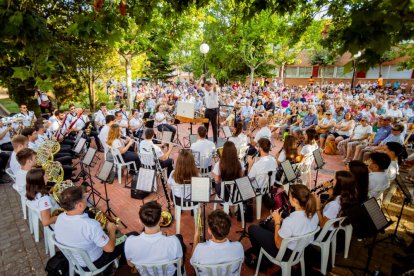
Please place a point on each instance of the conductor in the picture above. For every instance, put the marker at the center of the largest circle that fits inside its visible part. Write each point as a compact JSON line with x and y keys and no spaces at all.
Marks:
{"x":211,"y":100}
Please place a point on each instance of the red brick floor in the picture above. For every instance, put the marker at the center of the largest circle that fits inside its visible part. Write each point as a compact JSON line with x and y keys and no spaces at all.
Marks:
{"x":127,"y":208}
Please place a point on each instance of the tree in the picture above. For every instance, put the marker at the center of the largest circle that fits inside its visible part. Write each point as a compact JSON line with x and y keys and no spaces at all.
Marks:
{"x":322,"y":58}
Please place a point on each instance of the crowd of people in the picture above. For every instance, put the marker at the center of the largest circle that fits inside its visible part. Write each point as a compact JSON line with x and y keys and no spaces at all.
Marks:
{"x":370,"y":125}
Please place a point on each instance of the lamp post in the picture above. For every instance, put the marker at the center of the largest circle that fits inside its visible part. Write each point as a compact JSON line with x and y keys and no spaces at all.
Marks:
{"x":204,"y":48}
{"x":357,"y":55}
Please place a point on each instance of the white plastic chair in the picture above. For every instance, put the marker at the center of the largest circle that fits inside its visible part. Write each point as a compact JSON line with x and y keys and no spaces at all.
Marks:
{"x":227,"y":204}
{"x":147,"y":160}
{"x":206,"y":162}
{"x":262,"y":181}
{"x":34,"y":218}
{"x":296,"y":257}
{"x":324,"y":241}
{"x":222,"y":269}
{"x":305,"y":170}
{"x":120,"y":163}
{"x":74,"y":266}
{"x":11,"y":174}
{"x":183,"y":205}
{"x":22,"y":202}
{"x":156,"y":268}
{"x":348,"y":236}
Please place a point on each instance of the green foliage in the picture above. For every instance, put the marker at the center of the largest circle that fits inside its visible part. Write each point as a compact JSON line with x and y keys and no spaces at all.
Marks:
{"x":10,"y":105}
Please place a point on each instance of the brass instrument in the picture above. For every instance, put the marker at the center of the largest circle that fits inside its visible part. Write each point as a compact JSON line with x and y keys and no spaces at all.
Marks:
{"x":43,"y":156}
{"x":166,"y":219}
{"x":52,"y":146}
{"x":103,"y":218}
{"x":33,"y":121}
{"x":200,"y":227}
{"x":54,"y":171}
{"x":59,"y":187}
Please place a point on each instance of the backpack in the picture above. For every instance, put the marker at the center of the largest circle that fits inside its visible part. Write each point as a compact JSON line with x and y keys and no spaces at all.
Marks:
{"x":277,"y":198}
{"x":330,"y":148}
{"x":136,"y":193}
{"x":57,"y":265}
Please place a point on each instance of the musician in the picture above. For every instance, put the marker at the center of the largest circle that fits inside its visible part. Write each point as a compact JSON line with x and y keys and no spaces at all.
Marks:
{"x":80,"y":124}
{"x":239,"y":139}
{"x":5,"y":138}
{"x":136,"y":124}
{"x":361,"y":174}
{"x":141,"y":108}
{"x":246,"y":114}
{"x":115,"y":142}
{"x":204,"y":147}
{"x":38,"y":197}
{"x":65,"y":150}
{"x":146,"y":146}
{"x":160,"y":121}
{"x":300,"y":222}
{"x":19,"y":142}
{"x":74,"y":228}
{"x":103,"y":134}
{"x":43,"y":101}
{"x":342,"y":197}
{"x":264,"y":132}
{"x":210,"y":92}
{"x":378,"y":163}
{"x":121,"y":122}
{"x":124,"y":112}
{"x":72,"y":115}
{"x":100,"y":116}
{"x":218,"y":249}
{"x":151,"y":246}
{"x":26,"y":158}
{"x":116,"y":108}
{"x":28,"y":116}
{"x":60,"y":127}
{"x":265,"y":163}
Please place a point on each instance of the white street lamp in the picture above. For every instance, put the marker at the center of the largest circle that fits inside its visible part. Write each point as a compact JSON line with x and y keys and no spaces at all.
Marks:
{"x":204,"y":48}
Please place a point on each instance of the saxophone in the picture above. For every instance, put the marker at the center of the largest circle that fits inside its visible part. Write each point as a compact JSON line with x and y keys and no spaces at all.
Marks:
{"x":33,"y":121}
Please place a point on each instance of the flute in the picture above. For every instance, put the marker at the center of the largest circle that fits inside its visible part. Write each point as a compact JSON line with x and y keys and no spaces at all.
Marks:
{"x":321,"y":186}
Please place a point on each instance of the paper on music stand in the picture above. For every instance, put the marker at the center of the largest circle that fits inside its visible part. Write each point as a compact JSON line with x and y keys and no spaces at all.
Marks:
{"x":166,"y":137}
{"x":90,"y":154}
{"x":145,"y":181}
{"x":245,"y":188}
{"x":80,"y":145}
{"x":105,"y":171}
{"x":227,"y":132}
{"x":288,"y":170}
{"x":318,"y":158}
{"x":374,"y":211}
{"x":186,"y":109}
{"x":200,"y":189}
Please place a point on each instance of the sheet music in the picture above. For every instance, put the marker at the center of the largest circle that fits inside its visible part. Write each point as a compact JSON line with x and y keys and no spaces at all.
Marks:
{"x":245,"y":188}
{"x":166,"y":137}
{"x":227,"y":131}
{"x":80,"y":145}
{"x":105,"y":171}
{"x":145,"y":180}
{"x":374,"y":211}
{"x":87,"y":160}
{"x":318,"y":158}
{"x":200,"y":189}
{"x":288,"y":170}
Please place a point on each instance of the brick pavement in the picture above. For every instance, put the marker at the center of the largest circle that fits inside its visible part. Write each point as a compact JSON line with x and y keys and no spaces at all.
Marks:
{"x":19,"y":253}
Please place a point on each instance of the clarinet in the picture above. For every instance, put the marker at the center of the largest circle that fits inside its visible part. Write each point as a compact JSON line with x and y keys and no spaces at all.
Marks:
{"x":163,"y":182}
{"x":284,"y":214}
{"x":321,"y":186}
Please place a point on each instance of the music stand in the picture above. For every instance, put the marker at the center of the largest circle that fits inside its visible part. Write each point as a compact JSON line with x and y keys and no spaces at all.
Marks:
{"x":290,"y":174}
{"x":200,"y":193}
{"x":78,"y":149}
{"x":319,"y":163}
{"x":85,"y":165}
{"x":227,"y":132}
{"x":105,"y":176}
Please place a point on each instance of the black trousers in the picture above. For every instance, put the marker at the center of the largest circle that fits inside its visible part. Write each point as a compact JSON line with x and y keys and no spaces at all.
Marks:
{"x":211,"y":115}
{"x":94,"y":134}
{"x":132,"y":156}
{"x":167,"y":127}
{"x":7,"y":147}
{"x":167,"y":164}
{"x":4,"y":159}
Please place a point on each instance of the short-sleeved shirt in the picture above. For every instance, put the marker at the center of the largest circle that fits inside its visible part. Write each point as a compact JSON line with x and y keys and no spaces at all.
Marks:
{"x":82,"y":232}
{"x":20,"y":184}
{"x":100,"y":117}
{"x":153,"y":248}
{"x":382,"y":133}
{"x":210,"y":253}
{"x":103,"y":137}
{"x":297,"y":224}
{"x":332,"y":209}
{"x":206,"y":148}
{"x":146,"y":146}
{"x":42,"y":203}
{"x":210,"y":97}
{"x":14,"y":165}
{"x":378,"y":183}
{"x":360,"y":131}
{"x":262,"y":166}
{"x":264,"y":132}
{"x":310,"y":119}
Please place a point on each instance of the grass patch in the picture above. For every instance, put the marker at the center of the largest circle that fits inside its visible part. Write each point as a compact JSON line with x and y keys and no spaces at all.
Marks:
{"x":10,"y":105}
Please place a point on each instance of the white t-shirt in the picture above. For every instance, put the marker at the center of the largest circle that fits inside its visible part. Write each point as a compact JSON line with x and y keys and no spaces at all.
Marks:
{"x":42,"y":202}
{"x":297,"y":224}
{"x":159,"y":119}
{"x":103,"y":137}
{"x":360,"y":131}
{"x":378,"y":183}
{"x":6,"y":138}
{"x":239,"y":141}
{"x":100,"y":118}
{"x":153,"y":248}
{"x":117,"y":144}
{"x":394,"y":113}
{"x":308,"y":149}
{"x":264,"y":132}
{"x":211,"y":253}
{"x":332,"y":209}
{"x":392,"y":170}
{"x":135,"y":123}
{"x":184,"y":191}
{"x":344,"y":123}
{"x":14,"y":165}
{"x":82,"y":232}
{"x":262,"y":166}
{"x":206,"y":149}
{"x":20,"y":184}
{"x":146,"y":146}
{"x":211,"y":98}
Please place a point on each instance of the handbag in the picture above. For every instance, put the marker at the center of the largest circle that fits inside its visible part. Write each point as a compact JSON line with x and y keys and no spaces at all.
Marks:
{"x":44,"y":104}
{"x":58,"y":265}
{"x":320,"y":130}
{"x":330,"y":147}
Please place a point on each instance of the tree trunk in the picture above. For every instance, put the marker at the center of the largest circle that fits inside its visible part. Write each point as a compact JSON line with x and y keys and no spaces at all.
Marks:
{"x":128,"y":59}
{"x":251,"y":77}
{"x":322,"y":75}
{"x":91,"y":90}
{"x":282,"y":73}
{"x":380,"y":70}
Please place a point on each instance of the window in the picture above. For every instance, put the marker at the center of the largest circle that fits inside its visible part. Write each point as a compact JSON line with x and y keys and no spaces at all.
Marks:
{"x":291,"y":72}
{"x":328,"y":72}
{"x":305,"y":72}
{"x":340,"y":73}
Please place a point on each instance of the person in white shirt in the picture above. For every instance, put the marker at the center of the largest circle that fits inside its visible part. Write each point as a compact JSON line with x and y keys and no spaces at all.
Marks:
{"x":394,"y":150}
{"x":136,"y":124}
{"x":378,"y":163}
{"x":264,"y":132}
{"x":5,"y":138}
{"x":151,"y":246}
{"x":37,"y":195}
{"x":342,"y":197}
{"x":116,"y":108}
{"x":407,"y":111}
{"x":203,"y":148}
{"x":394,"y":111}
{"x":302,"y":221}
{"x":160,"y":121}
{"x":19,"y":142}
{"x":28,"y":116}
{"x":103,"y":134}
{"x":239,"y":139}
{"x":79,"y":124}
{"x":264,"y":164}
{"x":119,"y":120}
{"x":325,"y":126}
{"x":147,"y":145}
{"x":43,"y":101}
{"x":218,"y":249}
{"x":122,"y":145}
{"x":100,"y":117}
{"x":124,"y":112}
{"x":361,"y":134}
{"x":246,"y":114}
{"x":74,"y":228}
{"x":26,"y":158}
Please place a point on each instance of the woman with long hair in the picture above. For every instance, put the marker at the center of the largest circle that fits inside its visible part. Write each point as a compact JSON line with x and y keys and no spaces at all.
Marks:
{"x":185,"y":169}
{"x":342,"y":197}
{"x":361,"y":174}
{"x":115,"y":142}
{"x":289,"y":151}
{"x":38,"y":197}
{"x":310,"y":142}
{"x":298,"y":223}
{"x":342,"y":130}
{"x":239,"y":139}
